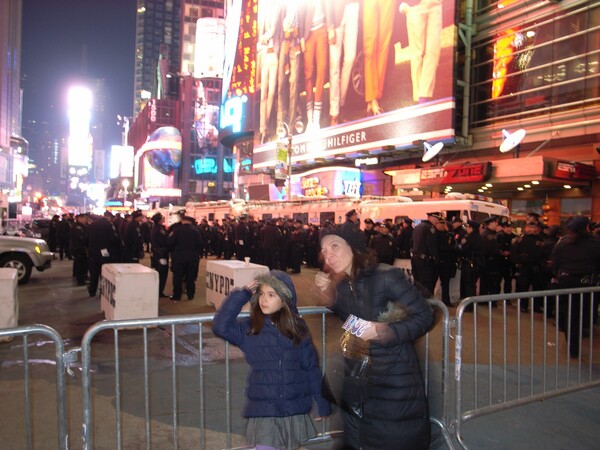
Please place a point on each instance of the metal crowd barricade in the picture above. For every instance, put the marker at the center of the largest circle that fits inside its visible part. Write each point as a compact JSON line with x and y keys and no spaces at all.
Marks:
{"x":59,"y":359}
{"x":113,"y":381}
{"x":439,"y":402}
{"x":530,"y":359}
{"x":178,"y":362}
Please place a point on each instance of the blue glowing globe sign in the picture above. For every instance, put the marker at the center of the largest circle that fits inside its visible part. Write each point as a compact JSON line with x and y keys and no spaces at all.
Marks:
{"x":163,"y":150}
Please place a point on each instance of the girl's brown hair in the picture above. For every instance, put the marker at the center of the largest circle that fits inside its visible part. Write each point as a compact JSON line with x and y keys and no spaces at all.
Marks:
{"x":288,"y":322}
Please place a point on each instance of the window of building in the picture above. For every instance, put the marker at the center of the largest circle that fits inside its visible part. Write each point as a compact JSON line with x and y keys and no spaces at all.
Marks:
{"x":551,"y":62}
{"x":570,"y":207}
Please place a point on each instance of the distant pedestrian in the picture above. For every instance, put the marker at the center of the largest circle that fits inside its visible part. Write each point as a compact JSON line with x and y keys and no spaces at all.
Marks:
{"x":284,"y":377}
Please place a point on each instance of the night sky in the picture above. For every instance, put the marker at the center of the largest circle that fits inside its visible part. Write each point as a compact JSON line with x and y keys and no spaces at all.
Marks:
{"x":55,"y":36}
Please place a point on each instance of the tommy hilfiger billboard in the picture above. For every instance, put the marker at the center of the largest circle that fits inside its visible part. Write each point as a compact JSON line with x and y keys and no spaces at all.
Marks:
{"x":344,"y":79}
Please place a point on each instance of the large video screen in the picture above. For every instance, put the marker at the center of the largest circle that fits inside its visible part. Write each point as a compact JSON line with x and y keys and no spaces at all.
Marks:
{"x":343,"y":76}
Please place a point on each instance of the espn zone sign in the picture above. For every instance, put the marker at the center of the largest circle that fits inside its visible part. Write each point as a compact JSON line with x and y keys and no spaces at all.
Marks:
{"x":465,"y":173}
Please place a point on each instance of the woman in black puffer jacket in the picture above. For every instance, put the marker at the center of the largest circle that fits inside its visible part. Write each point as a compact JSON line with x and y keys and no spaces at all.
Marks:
{"x":384,"y":406}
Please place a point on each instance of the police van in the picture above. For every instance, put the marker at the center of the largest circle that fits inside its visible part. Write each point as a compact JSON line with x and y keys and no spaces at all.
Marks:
{"x":319,"y":211}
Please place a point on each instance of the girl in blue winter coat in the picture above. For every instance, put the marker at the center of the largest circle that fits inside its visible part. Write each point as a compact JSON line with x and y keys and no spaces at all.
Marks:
{"x":284,"y":376}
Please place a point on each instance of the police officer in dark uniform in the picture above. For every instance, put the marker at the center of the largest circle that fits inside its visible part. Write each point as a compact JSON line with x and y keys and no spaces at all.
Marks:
{"x":448,"y":251}
{"x":160,"y":252}
{"x":103,"y":247}
{"x":78,"y":248}
{"x":185,"y":244}
{"x":383,"y":245}
{"x":489,"y":278}
{"x":471,"y":257}
{"x":527,"y":256}
{"x":369,"y":231}
{"x":270,"y":238}
{"x":505,"y":237}
{"x":243,"y":239}
{"x":133,"y":241}
{"x":297,"y":246}
{"x":576,"y":263}
{"x":458,"y":229}
{"x":228,"y":238}
{"x":284,"y":244}
{"x":425,"y":255}
{"x":352,"y":221}
{"x":404,"y":238}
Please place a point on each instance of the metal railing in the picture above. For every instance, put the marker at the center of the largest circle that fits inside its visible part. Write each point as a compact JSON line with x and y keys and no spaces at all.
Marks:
{"x":170,"y":383}
{"x":545,"y":349}
{"x":58,"y":359}
{"x":178,"y":360}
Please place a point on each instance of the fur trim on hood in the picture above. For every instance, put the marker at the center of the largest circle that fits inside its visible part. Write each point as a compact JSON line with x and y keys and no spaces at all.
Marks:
{"x":393,"y":313}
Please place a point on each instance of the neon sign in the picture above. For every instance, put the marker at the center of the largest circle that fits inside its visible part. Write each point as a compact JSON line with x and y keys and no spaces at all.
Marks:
{"x":233,"y":111}
{"x":209,"y":165}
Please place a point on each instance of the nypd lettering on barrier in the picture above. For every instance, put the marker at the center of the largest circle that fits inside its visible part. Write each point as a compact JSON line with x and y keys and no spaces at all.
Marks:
{"x":218,"y":283}
{"x":107,"y":289}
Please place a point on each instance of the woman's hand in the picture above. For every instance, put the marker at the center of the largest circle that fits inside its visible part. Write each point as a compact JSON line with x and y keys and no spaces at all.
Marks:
{"x":378,"y":331}
{"x":322,"y":281}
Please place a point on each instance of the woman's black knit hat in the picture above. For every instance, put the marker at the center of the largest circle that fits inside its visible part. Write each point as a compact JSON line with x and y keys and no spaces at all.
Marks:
{"x":352,"y":235}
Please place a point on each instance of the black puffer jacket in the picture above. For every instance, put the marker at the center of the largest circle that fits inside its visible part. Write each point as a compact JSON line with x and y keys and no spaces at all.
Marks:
{"x":395,"y":409}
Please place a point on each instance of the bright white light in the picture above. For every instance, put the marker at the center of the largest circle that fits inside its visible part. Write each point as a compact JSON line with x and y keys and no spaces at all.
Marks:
{"x":567,"y":186}
{"x":489,"y":184}
{"x":527,"y":186}
{"x":535,"y":182}
{"x":80,"y":114}
{"x":520,"y":189}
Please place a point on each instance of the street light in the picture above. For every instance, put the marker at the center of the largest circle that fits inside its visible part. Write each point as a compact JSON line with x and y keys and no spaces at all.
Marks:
{"x":284,"y":130}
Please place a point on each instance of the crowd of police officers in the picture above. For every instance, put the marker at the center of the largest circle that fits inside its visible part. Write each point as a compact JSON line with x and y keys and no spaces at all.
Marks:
{"x":490,"y":256}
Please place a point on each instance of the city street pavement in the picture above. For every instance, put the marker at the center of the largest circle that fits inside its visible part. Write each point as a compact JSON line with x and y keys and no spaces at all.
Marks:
{"x":51,"y":298}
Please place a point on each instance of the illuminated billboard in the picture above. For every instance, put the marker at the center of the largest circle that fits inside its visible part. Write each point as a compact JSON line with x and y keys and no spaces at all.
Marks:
{"x":383,"y":79}
{"x":121,"y":161}
{"x":80,"y":114}
{"x":208,"y":53}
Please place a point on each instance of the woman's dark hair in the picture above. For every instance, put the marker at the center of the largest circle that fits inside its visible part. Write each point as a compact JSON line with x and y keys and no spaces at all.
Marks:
{"x":362,"y":261}
{"x":288,"y":322}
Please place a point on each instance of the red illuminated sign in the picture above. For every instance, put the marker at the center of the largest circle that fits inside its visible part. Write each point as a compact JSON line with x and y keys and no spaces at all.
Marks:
{"x":466,"y":173}
{"x":574,"y":171}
